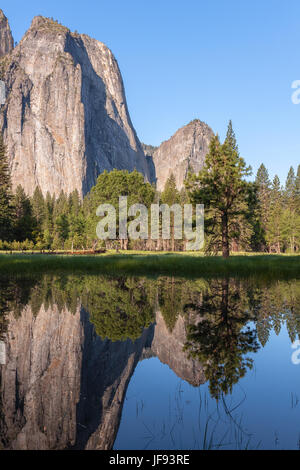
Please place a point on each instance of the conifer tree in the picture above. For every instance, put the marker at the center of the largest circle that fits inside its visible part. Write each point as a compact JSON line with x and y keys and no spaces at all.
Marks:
{"x":290,"y":217}
{"x":222,"y":188}
{"x":24,"y":222}
{"x":170,"y":196}
{"x":274,"y":226}
{"x":38,"y":205}
{"x":6,"y":209}
{"x":289,"y":193}
{"x":263,"y":185}
{"x":297,"y":190}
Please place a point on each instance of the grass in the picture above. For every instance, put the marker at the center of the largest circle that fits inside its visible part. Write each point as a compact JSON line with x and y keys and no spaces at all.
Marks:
{"x":169,"y":264}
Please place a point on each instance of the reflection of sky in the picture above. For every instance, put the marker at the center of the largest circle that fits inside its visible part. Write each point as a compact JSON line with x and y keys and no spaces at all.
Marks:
{"x":162,"y":412}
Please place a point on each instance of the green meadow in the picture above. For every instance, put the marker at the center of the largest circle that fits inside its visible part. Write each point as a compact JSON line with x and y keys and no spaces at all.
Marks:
{"x":154,"y":264}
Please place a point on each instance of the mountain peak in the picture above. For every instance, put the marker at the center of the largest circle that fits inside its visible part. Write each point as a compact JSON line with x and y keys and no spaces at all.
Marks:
{"x":42,"y":23}
{"x":185,"y":150}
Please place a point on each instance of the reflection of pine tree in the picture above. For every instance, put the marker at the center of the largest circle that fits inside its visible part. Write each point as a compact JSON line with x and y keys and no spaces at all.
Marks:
{"x":263,"y":328}
{"x":171,"y":300}
{"x":274,"y":305}
{"x":220,"y":340}
{"x":14,"y":295}
{"x":175,"y":295}
{"x":260,"y":304}
{"x":290,"y":294}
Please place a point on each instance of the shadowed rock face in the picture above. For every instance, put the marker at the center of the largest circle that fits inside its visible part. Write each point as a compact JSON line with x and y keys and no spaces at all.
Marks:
{"x":6,"y":38}
{"x":63,"y":387}
{"x":168,"y":347}
{"x":185,"y":150}
{"x":66,"y":119}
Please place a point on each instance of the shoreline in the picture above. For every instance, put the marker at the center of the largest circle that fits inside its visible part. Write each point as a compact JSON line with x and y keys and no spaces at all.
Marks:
{"x":266,"y":266}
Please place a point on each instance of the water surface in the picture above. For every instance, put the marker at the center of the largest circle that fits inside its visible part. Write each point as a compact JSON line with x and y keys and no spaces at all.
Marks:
{"x":92,"y":362}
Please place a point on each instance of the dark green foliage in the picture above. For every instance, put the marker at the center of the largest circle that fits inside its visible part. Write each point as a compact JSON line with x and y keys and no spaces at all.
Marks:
{"x":263,"y":185}
{"x":108,"y":189}
{"x":25,"y":223}
{"x":119,"y":308}
{"x":6,"y":207}
{"x":171,"y":196}
{"x":240,"y":215}
{"x":222,"y":188}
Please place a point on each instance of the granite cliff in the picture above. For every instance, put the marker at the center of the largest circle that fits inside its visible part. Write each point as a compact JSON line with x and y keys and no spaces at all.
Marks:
{"x":185,"y":150}
{"x":6,"y":38}
{"x":65,"y":119}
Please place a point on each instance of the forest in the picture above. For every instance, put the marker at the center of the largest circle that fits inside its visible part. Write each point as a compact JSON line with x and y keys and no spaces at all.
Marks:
{"x":240,"y":215}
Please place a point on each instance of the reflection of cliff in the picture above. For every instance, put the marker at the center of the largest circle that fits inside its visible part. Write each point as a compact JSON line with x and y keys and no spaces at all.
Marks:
{"x":168,"y":347}
{"x":62,"y":386}
{"x":106,"y":371}
{"x":40,"y":381}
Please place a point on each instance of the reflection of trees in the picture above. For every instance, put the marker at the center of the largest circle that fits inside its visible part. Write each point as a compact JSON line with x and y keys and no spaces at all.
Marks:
{"x":220,"y":340}
{"x":119,"y":308}
{"x":274,"y":305}
{"x":14,"y":295}
{"x":174,"y":294}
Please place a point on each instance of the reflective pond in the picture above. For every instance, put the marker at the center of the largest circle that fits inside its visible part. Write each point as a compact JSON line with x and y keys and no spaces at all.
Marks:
{"x":93,"y":362}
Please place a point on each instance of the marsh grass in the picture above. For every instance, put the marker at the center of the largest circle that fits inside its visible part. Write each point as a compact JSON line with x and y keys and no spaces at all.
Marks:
{"x":169,"y":264}
{"x":216,"y":425}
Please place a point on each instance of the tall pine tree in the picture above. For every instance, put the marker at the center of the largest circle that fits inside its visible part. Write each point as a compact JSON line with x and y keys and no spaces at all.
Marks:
{"x":274,"y":226}
{"x":24,"y":222}
{"x":222,"y":188}
{"x":6,"y":207}
{"x":170,"y":196}
{"x":263,"y":185}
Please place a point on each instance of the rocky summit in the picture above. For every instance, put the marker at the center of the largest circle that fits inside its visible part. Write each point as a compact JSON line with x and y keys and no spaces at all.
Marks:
{"x":184,"y":151}
{"x":65,"y":119}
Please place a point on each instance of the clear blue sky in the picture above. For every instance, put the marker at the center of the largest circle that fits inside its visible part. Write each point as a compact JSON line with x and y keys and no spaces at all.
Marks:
{"x":213,"y":60}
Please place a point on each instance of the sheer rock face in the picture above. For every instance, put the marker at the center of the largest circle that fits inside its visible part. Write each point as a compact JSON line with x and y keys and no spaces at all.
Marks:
{"x":66,"y":119}
{"x":6,"y":38}
{"x":40,"y":382}
{"x":168,"y":347}
{"x":185,"y":150}
{"x":62,"y":386}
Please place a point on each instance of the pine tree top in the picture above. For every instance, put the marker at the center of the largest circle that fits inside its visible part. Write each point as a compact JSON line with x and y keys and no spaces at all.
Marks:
{"x":230,"y":137}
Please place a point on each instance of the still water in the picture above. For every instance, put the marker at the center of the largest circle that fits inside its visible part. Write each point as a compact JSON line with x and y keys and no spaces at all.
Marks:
{"x":94,"y":362}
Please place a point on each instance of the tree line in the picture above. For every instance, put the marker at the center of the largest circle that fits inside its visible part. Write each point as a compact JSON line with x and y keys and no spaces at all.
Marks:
{"x":240,"y":215}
